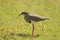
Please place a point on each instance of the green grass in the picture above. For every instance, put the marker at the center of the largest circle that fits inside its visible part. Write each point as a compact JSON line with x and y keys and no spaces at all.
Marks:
{"x":11,"y":23}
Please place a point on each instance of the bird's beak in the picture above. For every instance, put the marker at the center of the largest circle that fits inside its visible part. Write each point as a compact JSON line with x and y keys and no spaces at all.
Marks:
{"x":20,"y":14}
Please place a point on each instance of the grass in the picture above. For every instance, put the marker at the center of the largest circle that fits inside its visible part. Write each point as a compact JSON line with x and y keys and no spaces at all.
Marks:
{"x":10,"y":23}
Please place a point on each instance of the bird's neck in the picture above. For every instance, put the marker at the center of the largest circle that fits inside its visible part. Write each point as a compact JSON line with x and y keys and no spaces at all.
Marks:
{"x":25,"y":15}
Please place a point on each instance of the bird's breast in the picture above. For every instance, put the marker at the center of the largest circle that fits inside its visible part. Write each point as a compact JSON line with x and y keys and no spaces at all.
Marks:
{"x":27,"y":19}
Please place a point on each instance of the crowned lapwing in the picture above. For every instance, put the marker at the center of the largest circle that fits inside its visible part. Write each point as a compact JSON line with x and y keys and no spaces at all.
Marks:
{"x":32,"y":18}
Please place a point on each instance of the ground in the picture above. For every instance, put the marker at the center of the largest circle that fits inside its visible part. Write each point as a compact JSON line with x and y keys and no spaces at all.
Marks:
{"x":14,"y":27}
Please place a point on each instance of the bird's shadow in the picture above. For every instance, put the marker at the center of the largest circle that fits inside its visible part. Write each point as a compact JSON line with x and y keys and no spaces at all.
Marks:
{"x":19,"y":35}
{"x":27,"y":35}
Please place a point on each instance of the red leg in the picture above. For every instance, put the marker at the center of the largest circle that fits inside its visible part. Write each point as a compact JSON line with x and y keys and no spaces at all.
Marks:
{"x":32,"y":29}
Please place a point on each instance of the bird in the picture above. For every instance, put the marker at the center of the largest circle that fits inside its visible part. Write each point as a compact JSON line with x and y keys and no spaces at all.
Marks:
{"x":32,"y":18}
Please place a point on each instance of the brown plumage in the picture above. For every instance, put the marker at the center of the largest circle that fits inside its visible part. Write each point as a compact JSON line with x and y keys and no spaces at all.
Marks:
{"x":32,"y":18}
{"x":35,"y":18}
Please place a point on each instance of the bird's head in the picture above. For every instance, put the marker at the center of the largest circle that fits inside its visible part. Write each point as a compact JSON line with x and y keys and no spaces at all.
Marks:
{"x":24,"y":13}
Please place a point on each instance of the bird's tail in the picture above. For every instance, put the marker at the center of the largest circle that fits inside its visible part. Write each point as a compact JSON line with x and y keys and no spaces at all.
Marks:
{"x":46,"y":18}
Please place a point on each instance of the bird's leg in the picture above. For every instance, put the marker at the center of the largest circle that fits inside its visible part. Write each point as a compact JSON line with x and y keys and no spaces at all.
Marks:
{"x":32,"y":29}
